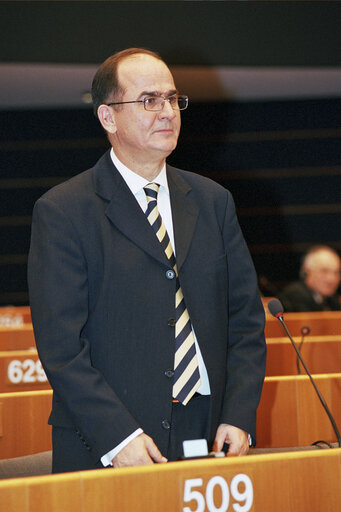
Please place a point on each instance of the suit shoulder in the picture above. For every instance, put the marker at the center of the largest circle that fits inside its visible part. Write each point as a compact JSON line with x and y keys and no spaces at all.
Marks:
{"x":200,"y":182}
{"x":295,"y":288}
{"x":296,"y":297}
{"x":79,"y":182}
{"x":70,"y":190}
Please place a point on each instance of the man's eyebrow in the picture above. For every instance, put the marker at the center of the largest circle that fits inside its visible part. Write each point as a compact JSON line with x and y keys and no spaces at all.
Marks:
{"x":157,"y":93}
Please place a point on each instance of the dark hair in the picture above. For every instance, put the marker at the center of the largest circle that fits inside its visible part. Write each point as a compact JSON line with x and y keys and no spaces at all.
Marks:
{"x":105,"y":82}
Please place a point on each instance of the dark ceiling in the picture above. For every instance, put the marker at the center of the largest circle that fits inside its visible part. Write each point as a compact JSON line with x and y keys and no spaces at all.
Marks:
{"x":217,"y":50}
{"x":209,"y":33}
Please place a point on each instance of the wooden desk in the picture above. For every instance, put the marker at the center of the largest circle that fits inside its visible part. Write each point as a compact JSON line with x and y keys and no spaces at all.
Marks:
{"x":290,"y":413}
{"x":289,"y":482}
{"x":322,"y":354}
{"x":15,"y":315}
{"x":17,"y":338}
{"x":21,"y":370}
{"x":23,"y":423}
{"x":320,"y":323}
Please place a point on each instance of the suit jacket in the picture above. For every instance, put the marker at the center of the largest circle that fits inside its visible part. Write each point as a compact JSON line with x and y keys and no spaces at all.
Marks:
{"x":298,"y":297}
{"x":101,"y":303}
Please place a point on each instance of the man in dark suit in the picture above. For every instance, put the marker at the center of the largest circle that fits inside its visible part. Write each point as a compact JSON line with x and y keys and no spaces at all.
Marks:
{"x":317,"y":289}
{"x":102,"y":291}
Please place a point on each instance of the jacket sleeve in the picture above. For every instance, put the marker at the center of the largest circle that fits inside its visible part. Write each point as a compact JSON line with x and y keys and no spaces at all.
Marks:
{"x":246,"y":343}
{"x":58,"y":288}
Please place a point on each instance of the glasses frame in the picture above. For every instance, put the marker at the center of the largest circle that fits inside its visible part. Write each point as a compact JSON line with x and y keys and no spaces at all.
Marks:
{"x":165,"y":98}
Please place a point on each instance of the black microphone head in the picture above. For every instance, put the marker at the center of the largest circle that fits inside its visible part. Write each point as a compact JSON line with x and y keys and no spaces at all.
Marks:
{"x":275,"y":307}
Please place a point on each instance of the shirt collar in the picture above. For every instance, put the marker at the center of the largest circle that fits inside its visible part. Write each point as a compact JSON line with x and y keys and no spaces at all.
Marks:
{"x":134,"y":181}
{"x":318,"y":297}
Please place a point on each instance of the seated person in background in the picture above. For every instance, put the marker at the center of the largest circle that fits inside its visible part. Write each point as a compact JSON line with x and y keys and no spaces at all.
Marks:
{"x":320,"y":277}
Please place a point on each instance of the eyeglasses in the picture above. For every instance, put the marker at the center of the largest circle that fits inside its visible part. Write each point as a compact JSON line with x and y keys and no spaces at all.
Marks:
{"x":156,"y":103}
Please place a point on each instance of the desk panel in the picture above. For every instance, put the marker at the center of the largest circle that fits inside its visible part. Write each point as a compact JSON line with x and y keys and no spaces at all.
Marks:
{"x":289,"y":482}
{"x":320,"y":323}
{"x":322,"y":354}
{"x":21,"y":370}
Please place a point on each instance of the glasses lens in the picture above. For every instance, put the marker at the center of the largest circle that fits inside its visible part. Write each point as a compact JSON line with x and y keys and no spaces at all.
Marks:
{"x":156,"y":103}
{"x":173,"y":101}
{"x":182,"y":102}
{"x":153,"y":103}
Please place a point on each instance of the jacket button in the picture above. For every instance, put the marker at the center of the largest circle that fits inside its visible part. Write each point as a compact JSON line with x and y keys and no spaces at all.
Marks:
{"x":170,"y":274}
{"x":171,"y":322}
{"x":169,"y":373}
{"x":165,"y":424}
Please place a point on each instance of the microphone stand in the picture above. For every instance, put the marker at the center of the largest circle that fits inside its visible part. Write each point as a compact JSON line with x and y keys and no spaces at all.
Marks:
{"x":297,"y":359}
{"x":325,"y":406}
{"x":304,"y":332}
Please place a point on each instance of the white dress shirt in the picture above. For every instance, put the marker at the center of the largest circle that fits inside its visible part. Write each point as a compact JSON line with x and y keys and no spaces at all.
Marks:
{"x":136,"y":183}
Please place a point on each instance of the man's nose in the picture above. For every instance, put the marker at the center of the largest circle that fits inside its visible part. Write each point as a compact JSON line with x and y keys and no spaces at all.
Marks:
{"x":167,"y":111}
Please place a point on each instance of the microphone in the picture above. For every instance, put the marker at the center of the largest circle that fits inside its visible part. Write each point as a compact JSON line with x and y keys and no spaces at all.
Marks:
{"x":305,"y":330}
{"x":276,"y":309}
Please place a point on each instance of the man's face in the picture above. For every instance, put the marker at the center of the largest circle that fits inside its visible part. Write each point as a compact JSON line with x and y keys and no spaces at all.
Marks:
{"x":323,"y":273}
{"x":142,"y":135}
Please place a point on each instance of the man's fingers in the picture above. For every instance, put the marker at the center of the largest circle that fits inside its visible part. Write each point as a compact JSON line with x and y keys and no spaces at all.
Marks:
{"x":153,"y":451}
{"x":236,"y":438}
{"x":219,"y":440}
{"x":141,"y":451}
{"x":237,"y":448}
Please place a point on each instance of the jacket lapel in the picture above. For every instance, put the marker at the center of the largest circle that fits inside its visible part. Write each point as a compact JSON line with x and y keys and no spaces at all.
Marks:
{"x":123,"y":210}
{"x":185,"y":213}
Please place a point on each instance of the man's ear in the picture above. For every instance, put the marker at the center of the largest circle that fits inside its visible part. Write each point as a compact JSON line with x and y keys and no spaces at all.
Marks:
{"x":106,"y":117}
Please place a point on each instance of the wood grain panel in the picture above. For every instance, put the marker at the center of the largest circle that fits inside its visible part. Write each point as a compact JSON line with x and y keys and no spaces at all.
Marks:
{"x":322,"y":354}
{"x":24,"y":423}
{"x":286,"y":482}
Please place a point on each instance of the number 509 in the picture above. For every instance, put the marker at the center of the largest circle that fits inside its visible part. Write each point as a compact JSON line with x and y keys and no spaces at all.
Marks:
{"x":243,"y":495}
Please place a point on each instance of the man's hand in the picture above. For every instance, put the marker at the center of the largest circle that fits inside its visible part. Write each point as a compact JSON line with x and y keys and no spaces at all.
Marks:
{"x":140,"y":451}
{"x":236,"y":438}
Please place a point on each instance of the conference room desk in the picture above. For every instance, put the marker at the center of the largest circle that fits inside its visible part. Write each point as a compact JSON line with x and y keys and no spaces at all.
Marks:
{"x":322,"y":354}
{"x":325,"y":323}
{"x":23,"y":423}
{"x":19,"y":337}
{"x":21,"y":370}
{"x":15,"y":315}
{"x":286,"y":482}
{"x":320,"y":323}
{"x":289,"y":415}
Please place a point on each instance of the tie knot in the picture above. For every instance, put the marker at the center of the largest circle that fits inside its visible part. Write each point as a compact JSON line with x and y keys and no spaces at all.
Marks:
{"x":151,"y":191}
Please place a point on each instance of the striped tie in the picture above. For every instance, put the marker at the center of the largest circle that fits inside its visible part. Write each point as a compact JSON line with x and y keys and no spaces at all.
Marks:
{"x":186,"y":370}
